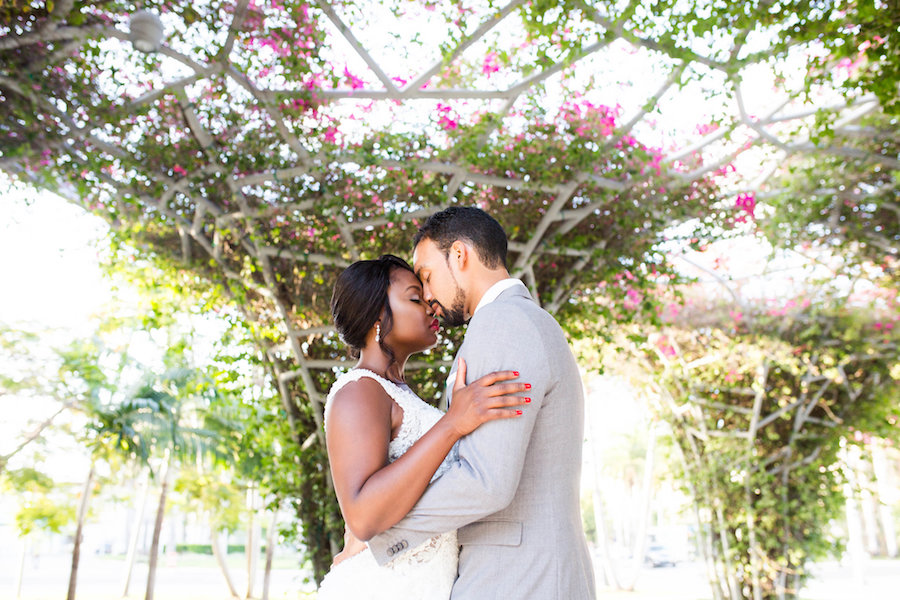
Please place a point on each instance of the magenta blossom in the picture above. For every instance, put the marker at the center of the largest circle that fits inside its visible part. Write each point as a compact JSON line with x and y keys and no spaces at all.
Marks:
{"x":491,"y":64}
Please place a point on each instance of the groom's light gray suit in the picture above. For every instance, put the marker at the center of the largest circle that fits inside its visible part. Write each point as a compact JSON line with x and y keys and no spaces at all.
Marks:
{"x":514,"y":495}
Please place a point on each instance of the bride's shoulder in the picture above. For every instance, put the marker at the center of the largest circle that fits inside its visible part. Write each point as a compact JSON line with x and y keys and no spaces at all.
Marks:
{"x":357,"y":391}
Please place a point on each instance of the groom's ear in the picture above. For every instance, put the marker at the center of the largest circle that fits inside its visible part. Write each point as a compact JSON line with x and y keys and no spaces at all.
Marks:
{"x":459,"y":254}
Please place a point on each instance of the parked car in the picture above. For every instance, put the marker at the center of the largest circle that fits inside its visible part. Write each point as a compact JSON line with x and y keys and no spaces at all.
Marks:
{"x":658,"y":556}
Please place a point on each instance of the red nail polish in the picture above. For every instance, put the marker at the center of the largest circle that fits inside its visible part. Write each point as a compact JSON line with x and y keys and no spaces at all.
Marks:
{"x":527,"y":386}
{"x":516,"y":373}
{"x":527,"y":400}
{"x":518,"y":412}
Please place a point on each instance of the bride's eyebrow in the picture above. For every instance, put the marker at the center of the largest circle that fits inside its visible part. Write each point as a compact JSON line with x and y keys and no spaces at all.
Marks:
{"x":417,"y":288}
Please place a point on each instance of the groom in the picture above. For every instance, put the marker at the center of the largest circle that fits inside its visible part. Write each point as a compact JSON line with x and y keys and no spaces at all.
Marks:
{"x":514,"y":495}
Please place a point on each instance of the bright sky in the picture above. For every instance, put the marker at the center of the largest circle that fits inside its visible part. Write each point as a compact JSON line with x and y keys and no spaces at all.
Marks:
{"x":51,"y":280}
{"x":50,"y":270}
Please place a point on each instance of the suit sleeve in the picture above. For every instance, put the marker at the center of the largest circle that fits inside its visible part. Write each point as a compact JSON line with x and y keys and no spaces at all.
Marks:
{"x":491,"y":458}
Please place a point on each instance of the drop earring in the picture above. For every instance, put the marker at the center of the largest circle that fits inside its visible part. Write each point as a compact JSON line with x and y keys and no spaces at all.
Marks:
{"x":378,"y":333}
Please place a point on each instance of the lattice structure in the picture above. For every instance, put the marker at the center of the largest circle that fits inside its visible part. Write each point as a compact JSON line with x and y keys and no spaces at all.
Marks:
{"x":758,"y":414}
{"x":265,"y":146}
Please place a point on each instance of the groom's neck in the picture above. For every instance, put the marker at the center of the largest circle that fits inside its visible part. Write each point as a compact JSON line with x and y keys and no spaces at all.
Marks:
{"x":481,"y":285}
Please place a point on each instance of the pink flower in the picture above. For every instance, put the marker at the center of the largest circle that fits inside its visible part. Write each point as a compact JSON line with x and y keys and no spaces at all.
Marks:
{"x":331,"y":134}
{"x":665,"y":347}
{"x":736,"y":315}
{"x":354,"y":81}
{"x":632,"y":299}
{"x":491,"y":64}
{"x":746,"y":203}
{"x":446,"y":122}
{"x":706,"y":128}
{"x":179,"y":170}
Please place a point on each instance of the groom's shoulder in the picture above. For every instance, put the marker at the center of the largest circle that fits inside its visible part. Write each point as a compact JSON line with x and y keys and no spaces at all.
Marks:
{"x":508,"y":315}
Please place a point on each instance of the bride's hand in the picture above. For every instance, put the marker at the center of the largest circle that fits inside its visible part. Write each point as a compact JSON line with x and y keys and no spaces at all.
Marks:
{"x":485,"y":399}
{"x":352,"y":547}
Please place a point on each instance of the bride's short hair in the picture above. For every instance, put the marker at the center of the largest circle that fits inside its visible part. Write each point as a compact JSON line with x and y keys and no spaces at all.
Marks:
{"x":360,"y":298}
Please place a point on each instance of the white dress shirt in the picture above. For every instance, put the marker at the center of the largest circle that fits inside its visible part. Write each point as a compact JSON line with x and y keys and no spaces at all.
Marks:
{"x":495,"y":290}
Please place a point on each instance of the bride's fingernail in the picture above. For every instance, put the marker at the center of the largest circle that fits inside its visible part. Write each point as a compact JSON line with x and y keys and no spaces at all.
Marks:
{"x":527,"y":400}
{"x":518,"y":412}
{"x":516,"y":373}
{"x":527,"y":386}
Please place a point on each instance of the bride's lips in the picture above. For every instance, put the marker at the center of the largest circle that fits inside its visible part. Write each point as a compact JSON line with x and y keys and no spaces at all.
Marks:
{"x":435,"y":325}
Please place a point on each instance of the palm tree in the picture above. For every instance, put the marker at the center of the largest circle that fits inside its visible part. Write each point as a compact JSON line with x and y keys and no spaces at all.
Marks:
{"x":178,"y":424}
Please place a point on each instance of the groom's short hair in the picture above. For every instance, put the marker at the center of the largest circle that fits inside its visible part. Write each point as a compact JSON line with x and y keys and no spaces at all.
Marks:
{"x":469,"y":224}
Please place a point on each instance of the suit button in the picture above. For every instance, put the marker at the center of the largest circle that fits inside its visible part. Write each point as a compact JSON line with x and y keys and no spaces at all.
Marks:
{"x":390,"y":551}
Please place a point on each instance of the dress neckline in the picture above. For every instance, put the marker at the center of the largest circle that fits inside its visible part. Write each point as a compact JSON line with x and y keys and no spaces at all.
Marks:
{"x":402,"y":385}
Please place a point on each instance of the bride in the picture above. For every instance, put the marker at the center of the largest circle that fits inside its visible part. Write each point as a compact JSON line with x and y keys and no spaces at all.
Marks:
{"x":384,"y":443}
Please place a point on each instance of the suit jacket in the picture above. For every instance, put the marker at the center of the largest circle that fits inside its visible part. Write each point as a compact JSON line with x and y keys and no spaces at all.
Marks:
{"x":514,"y":494}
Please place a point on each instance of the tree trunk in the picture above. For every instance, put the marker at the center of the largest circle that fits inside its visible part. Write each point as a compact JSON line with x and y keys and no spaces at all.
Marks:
{"x":882,"y":478}
{"x":755,"y":551}
{"x":157,"y":529}
{"x":869,"y":509}
{"x":733,"y":591}
{"x":220,"y":559}
{"x":135,"y":532}
{"x":82,"y":515}
{"x":252,"y":540}
{"x":21,"y":574}
{"x":855,"y":545}
{"x":609,"y":570}
{"x":640,"y":541}
{"x":270,"y":552}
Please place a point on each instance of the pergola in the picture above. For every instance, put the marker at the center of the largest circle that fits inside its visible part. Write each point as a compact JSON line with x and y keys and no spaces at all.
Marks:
{"x":265,"y":146}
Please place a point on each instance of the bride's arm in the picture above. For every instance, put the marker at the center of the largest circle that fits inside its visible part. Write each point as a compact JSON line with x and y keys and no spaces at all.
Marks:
{"x":375,"y":494}
{"x":352,"y":547}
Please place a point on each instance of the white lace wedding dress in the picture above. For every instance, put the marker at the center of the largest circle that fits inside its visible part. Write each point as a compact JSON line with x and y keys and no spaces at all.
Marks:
{"x":424,"y":573}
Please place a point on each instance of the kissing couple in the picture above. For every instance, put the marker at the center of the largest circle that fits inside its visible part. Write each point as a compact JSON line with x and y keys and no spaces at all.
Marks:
{"x":480,"y":502}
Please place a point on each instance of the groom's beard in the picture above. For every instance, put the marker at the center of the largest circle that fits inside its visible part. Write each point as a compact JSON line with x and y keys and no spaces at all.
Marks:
{"x":454,"y":316}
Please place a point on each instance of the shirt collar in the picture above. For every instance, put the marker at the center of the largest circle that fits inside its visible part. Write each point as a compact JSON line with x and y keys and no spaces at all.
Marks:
{"x":495,"y":290}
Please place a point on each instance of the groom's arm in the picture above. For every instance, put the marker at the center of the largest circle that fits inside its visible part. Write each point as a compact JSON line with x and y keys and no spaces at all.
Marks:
{"x":491,"y":458}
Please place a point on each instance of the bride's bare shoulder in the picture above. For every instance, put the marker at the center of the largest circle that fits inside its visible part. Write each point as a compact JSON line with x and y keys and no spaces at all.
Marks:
{"x":362,"y":397}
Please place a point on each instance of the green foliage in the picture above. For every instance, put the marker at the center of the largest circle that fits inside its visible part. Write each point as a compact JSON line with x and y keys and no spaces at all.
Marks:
{"x":207,"y":492}
{"x":844,"y":204}
{"x":589,"y":518}
{"x":41,"y":507}
{"x":761,"y":410}
{"x":207,"y":549}
{"x":42,"y":513}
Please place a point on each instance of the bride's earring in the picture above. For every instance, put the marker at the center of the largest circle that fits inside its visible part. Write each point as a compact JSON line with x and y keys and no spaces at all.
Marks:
{"x":378,"y":333}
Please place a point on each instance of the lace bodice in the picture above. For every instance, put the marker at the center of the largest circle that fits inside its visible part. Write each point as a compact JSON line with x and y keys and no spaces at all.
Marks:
{"x":418,"y":416}
{"x":426,"y":572}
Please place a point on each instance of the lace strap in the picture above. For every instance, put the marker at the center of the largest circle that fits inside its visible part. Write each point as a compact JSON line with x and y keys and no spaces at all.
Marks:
{"x":393,"y":390}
